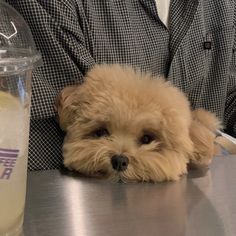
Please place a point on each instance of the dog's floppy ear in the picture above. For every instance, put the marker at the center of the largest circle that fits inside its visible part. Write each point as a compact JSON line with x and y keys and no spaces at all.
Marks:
{"x":65,"y":107}
{"x":203,"y":135}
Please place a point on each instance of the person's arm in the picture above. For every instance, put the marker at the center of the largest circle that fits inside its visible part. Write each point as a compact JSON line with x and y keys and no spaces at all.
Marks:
{"x":59,"y":35}
{"x":230,"y":120}
{"x":230,"y":107}
{"x":230,"y":110}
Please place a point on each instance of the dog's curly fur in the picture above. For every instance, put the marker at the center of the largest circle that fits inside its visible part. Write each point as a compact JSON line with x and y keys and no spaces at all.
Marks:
{"x":120,"y":111}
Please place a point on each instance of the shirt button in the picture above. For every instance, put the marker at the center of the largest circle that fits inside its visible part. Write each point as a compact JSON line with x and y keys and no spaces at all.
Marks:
{"x":207,"y":45}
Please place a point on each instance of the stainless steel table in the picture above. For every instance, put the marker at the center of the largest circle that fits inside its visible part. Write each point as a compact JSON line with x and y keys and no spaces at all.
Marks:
{"x":202,"y":203}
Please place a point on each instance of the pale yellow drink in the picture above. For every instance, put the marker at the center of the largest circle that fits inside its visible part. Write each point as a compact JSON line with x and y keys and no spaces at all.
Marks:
{"x":14,"y":124}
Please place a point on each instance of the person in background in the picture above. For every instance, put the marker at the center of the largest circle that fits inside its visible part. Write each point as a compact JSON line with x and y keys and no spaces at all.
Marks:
{"x":191,"y":42}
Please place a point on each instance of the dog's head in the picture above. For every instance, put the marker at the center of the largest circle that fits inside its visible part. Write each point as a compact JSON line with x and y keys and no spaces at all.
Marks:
{"x":125,"y":125}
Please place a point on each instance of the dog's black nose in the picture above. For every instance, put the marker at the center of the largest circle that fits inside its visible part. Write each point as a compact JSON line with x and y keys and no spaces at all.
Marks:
{"x":119,"y":162}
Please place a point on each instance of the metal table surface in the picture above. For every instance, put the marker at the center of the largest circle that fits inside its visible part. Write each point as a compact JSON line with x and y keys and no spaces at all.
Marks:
{"x":203,"y":203}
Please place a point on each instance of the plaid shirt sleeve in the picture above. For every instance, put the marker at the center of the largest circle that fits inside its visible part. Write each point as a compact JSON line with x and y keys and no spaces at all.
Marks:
{"x":230,"y":108}
{"x":230,"y":112}
{"x":59,"y":37}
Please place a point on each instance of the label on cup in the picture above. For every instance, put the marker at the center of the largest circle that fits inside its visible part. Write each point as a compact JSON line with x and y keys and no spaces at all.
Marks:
{"x":8,"y":158}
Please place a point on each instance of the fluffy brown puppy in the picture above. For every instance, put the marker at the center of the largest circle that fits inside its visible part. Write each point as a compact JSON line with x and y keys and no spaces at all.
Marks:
{"x":126,"y":125}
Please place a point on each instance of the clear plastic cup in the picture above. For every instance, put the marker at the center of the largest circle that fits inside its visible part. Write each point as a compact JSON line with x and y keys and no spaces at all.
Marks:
{"x":18,"y":57}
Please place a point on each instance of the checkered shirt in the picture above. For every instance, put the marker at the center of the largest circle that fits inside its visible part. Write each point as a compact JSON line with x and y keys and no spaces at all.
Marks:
{"x":197,"y":53}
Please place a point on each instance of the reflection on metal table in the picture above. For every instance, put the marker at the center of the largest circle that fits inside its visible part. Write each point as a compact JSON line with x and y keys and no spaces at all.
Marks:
{"x":201,"y":203}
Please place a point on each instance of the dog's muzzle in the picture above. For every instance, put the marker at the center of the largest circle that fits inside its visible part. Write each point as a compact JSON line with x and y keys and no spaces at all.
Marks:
{"x":119,"y":162}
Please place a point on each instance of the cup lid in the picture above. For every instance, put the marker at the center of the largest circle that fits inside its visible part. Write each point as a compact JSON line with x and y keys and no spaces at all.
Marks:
{"x":17,"y":48}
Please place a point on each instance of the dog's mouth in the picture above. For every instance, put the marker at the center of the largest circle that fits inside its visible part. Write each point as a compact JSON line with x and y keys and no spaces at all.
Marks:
{"x":99,"y":174}
{"x":113,"y":177}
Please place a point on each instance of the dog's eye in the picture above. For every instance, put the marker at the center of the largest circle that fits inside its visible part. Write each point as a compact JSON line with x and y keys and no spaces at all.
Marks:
{"x":147,"y":138}
{"x":101,"y":132}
